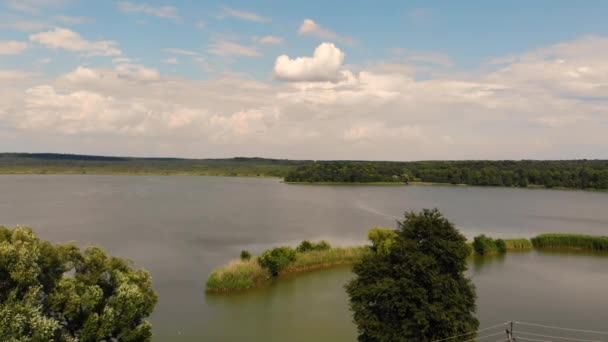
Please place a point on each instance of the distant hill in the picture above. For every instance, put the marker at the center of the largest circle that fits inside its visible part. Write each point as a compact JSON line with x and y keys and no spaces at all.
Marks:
{"x":41,"y":163}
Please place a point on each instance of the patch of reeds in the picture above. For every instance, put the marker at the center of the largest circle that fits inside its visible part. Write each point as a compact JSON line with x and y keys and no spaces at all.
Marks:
{"x":571,"y":241}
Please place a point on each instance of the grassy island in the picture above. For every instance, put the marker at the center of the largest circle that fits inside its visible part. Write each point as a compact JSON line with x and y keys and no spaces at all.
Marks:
{"x":250,"y":272}
{"x":245,"y":274}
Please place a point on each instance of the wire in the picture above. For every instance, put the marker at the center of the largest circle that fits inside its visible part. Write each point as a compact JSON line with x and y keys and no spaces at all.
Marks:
{"x":480,"y":337}
{"x":563,"y":338}
{"x":531,"y":339}
{"x":552,"y":327}
{"x":473,"y":332}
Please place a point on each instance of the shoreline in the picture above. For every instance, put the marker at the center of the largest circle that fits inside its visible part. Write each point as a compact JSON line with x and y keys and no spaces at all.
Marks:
{"x":241,"y":275}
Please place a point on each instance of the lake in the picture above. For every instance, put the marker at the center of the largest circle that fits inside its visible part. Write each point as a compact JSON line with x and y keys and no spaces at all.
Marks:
{"x":180,"y":228}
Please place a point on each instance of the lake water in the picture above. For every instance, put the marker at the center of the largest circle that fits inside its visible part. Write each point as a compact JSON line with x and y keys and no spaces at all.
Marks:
{"x":179,"y":228}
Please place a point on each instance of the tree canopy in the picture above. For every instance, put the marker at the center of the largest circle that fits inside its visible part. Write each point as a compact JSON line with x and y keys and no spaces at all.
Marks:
{"x":581,"y":174}
{"x":416,"y":290}
{"x":62,"y":293}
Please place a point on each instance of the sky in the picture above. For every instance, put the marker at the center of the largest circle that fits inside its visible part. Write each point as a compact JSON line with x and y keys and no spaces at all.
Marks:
{"x":373,"y":80}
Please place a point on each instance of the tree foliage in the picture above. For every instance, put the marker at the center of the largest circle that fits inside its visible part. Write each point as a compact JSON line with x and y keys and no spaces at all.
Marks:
{"x":484,"y":245}
{"x":417,"y":291}
{"x":62,"y":293}
{"x":307,"y":246}
{"x":580,"y":174}
{"x":277,"y":259}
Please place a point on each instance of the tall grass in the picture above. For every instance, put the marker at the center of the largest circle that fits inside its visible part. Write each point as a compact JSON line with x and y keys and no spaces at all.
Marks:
{"x":241,"y":275}
{"x":237,"y":275}
{"x":518,"y":244}
{"x":571,"y":241}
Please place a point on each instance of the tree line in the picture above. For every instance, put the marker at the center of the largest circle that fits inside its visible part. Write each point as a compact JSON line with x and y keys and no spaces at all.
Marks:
{"x":577,"y":174}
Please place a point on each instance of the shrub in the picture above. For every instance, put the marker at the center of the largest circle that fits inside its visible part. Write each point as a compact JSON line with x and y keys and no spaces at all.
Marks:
{"x":322,"y":246}
{"x":382,"y":239}
{"x":304,"y":246}
{"x":501,"y":246}
{"x":484,"y":245}
{"x":277,"y":259}
{"x":307,"y":246}
{"x":245,"y":255}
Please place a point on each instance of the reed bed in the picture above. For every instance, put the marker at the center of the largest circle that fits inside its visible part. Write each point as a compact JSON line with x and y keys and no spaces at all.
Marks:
{"x":518,"y":244}
{"x":571,"y":241}
{"x":241,"y":275}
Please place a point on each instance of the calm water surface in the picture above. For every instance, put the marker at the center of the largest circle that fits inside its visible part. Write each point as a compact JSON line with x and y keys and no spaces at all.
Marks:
{"x":179,"y":228}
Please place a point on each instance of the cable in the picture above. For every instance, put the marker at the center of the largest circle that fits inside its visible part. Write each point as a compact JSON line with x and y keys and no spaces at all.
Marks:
{"x":552,"y":327}
{"x":473,"y":332}
{"x":564,"y":338}
{"x":480,"y":337}
{"x":531,"y":339}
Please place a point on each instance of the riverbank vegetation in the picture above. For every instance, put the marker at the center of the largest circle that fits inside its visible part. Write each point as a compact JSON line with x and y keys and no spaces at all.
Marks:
{"x":571,"y":241}
{"x":576,"y":174}
{"x":50,"y":163}
{"x":245,"y":274}
{"x":573,"y":174}
{"x":61,"y":293}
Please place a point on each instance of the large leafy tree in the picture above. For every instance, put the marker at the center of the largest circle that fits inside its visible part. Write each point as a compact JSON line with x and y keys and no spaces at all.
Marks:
{"x":416,"y":290}
{"x":62,"y":293}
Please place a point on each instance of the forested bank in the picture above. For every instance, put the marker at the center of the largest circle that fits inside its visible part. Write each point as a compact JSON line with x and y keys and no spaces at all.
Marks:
{"x":52,"y":163}
{"x":577,"y":174}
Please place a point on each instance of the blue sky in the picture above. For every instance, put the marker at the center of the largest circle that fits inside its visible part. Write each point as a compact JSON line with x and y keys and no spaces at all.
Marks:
{"x":492,"y":64}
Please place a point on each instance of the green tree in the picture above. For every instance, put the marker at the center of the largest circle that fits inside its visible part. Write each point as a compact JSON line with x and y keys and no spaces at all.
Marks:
{"x":277,"y":259}
{"x":65,"y":294}
{"x":417,"y":291}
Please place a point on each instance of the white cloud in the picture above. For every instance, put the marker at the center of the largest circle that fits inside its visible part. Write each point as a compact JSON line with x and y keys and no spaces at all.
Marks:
{"x":62,"y":38}
{"x":172,"y":60}
{"x":269,"y":40}
{"x":548,"y":103}
{"x":72,"y":19}
{"x":310,"y":27}
{"x":181,"y":52}
{"x":244,"y":15}
{"x":227,"y":48}
{"x":167,"y":12}
{"x":12,"y":47}
{"x":12,"y":75}
{"x":34,"y":6}
{"x":324,"y":65}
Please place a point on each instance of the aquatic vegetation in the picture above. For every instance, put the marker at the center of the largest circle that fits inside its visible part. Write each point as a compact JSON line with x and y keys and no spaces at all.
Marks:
{"x":241,"y":275}
{"x":518,"y":244}
{"x":484,"y":245}
{"x":571,"y":241}
{"x":277,"y":259}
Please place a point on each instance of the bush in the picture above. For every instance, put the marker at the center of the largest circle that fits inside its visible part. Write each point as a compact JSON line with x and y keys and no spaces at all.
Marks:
{"x":307,"y":246}
{"x":277,"y":259}
{"x":245,"y":255}
{"x":484,"y":245}
{"x":382,"y":239}
{"x":304,"y":246}
{"x":501,"y":246}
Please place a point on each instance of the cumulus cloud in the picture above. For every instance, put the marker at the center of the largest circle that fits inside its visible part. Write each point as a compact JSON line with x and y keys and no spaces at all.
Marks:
{"x":310,"y":27}
{"x":62,"y":38}
{"x":228,"y":48}
{"x":166,"y":12}
{"x":324,"y":65}
{"x":244,"y":15}
{"x":548,"y":103}
{"x":12,"y":47}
